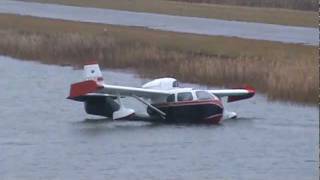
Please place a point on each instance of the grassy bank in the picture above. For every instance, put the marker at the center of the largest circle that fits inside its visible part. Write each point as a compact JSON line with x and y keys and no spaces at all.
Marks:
{"x":227,"y":12}
{"x":282,"y":71}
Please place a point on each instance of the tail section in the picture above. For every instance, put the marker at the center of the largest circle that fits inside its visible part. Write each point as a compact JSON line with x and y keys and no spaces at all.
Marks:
{"x":95,"y":101}
{"x":92,"y":83}
{"x":92,"y":72}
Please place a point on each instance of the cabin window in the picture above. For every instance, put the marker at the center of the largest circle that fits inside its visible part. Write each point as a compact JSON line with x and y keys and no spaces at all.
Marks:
{"x":203,"y":95}
{"x":185,"y":96}
{"x":170,"y":98}
{"x":175,"y":84}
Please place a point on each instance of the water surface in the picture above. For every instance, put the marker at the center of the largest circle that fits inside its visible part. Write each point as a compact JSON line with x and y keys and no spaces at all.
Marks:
{"x":45,"y":136}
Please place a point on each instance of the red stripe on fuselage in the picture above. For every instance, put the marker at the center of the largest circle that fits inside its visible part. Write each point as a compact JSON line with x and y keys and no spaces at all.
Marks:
{"x":189,"y":103}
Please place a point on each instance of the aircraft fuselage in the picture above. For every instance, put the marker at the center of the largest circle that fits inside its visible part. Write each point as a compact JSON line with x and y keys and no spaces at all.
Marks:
{"x":196,"y":111}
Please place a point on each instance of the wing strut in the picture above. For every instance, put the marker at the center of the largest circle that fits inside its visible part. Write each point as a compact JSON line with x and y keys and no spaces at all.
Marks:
{"x":161,"y":113}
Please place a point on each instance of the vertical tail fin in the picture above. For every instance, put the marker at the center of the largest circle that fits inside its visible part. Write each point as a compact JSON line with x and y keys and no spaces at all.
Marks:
{"x":92,"y":72}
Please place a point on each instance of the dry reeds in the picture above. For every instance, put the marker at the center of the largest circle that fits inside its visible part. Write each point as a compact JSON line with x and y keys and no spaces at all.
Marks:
{"x":280,"y":73}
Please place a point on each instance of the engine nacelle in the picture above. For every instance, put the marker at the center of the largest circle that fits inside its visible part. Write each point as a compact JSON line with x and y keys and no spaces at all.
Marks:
{"x":101,"y":106}
{"x":162,"y":84}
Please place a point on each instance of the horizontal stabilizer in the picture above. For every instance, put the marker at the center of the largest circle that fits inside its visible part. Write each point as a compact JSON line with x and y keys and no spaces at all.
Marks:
{"x":82,"y":88}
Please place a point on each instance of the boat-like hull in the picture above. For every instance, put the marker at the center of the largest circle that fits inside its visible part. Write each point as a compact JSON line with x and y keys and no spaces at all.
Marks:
{"x":208,"y":111}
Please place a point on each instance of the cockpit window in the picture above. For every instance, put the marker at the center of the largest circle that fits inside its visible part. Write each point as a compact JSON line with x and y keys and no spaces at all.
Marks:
{"x":170,"y":98}
{"x":185,"y":96}
{"x":175,"y":84}
{"x":203,"y":95}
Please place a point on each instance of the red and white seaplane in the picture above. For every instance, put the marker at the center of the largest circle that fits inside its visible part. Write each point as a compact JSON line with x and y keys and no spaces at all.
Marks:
{"x":163,"y":97}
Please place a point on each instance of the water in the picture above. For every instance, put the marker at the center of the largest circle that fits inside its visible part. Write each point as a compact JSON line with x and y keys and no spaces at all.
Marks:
{"x":45,"y":136}
{"x":205,"y":26}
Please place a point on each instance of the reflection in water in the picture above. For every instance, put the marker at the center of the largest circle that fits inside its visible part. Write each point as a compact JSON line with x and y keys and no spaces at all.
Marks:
{"x":95,"y":126}
{"x":42,"y":133}
{"x":100,"y":120}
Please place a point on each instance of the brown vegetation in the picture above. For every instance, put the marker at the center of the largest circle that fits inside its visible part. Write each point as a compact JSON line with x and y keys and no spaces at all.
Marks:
{"x":282,"y":71}
{"x":311,"y":5}
{"x":218,"y":11}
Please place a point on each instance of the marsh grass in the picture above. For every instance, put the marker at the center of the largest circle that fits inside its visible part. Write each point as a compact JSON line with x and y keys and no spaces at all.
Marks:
{"x":282,"y":71}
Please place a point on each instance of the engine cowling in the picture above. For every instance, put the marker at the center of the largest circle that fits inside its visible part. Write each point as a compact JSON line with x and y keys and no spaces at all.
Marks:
{"x":162,"y":84}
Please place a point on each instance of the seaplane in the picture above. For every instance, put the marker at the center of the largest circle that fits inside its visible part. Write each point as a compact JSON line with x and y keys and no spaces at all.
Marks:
{"x":163,"y":98}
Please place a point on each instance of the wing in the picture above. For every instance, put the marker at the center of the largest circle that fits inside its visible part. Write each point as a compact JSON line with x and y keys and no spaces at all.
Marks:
{"x":93,"y":88}
{"x":234,"y":94}
{"x":133,"y":91}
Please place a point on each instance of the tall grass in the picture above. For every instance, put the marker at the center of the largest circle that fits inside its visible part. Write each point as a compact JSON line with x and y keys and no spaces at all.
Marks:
{"x":279,"y":72}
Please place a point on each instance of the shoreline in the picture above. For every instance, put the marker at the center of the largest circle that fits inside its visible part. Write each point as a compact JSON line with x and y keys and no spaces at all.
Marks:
{"x":281,"y":71}
{"x":136,"y":74}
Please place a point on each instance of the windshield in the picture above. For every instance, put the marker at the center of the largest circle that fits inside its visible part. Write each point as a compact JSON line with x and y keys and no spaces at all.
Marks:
{"x":203,"y":95}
